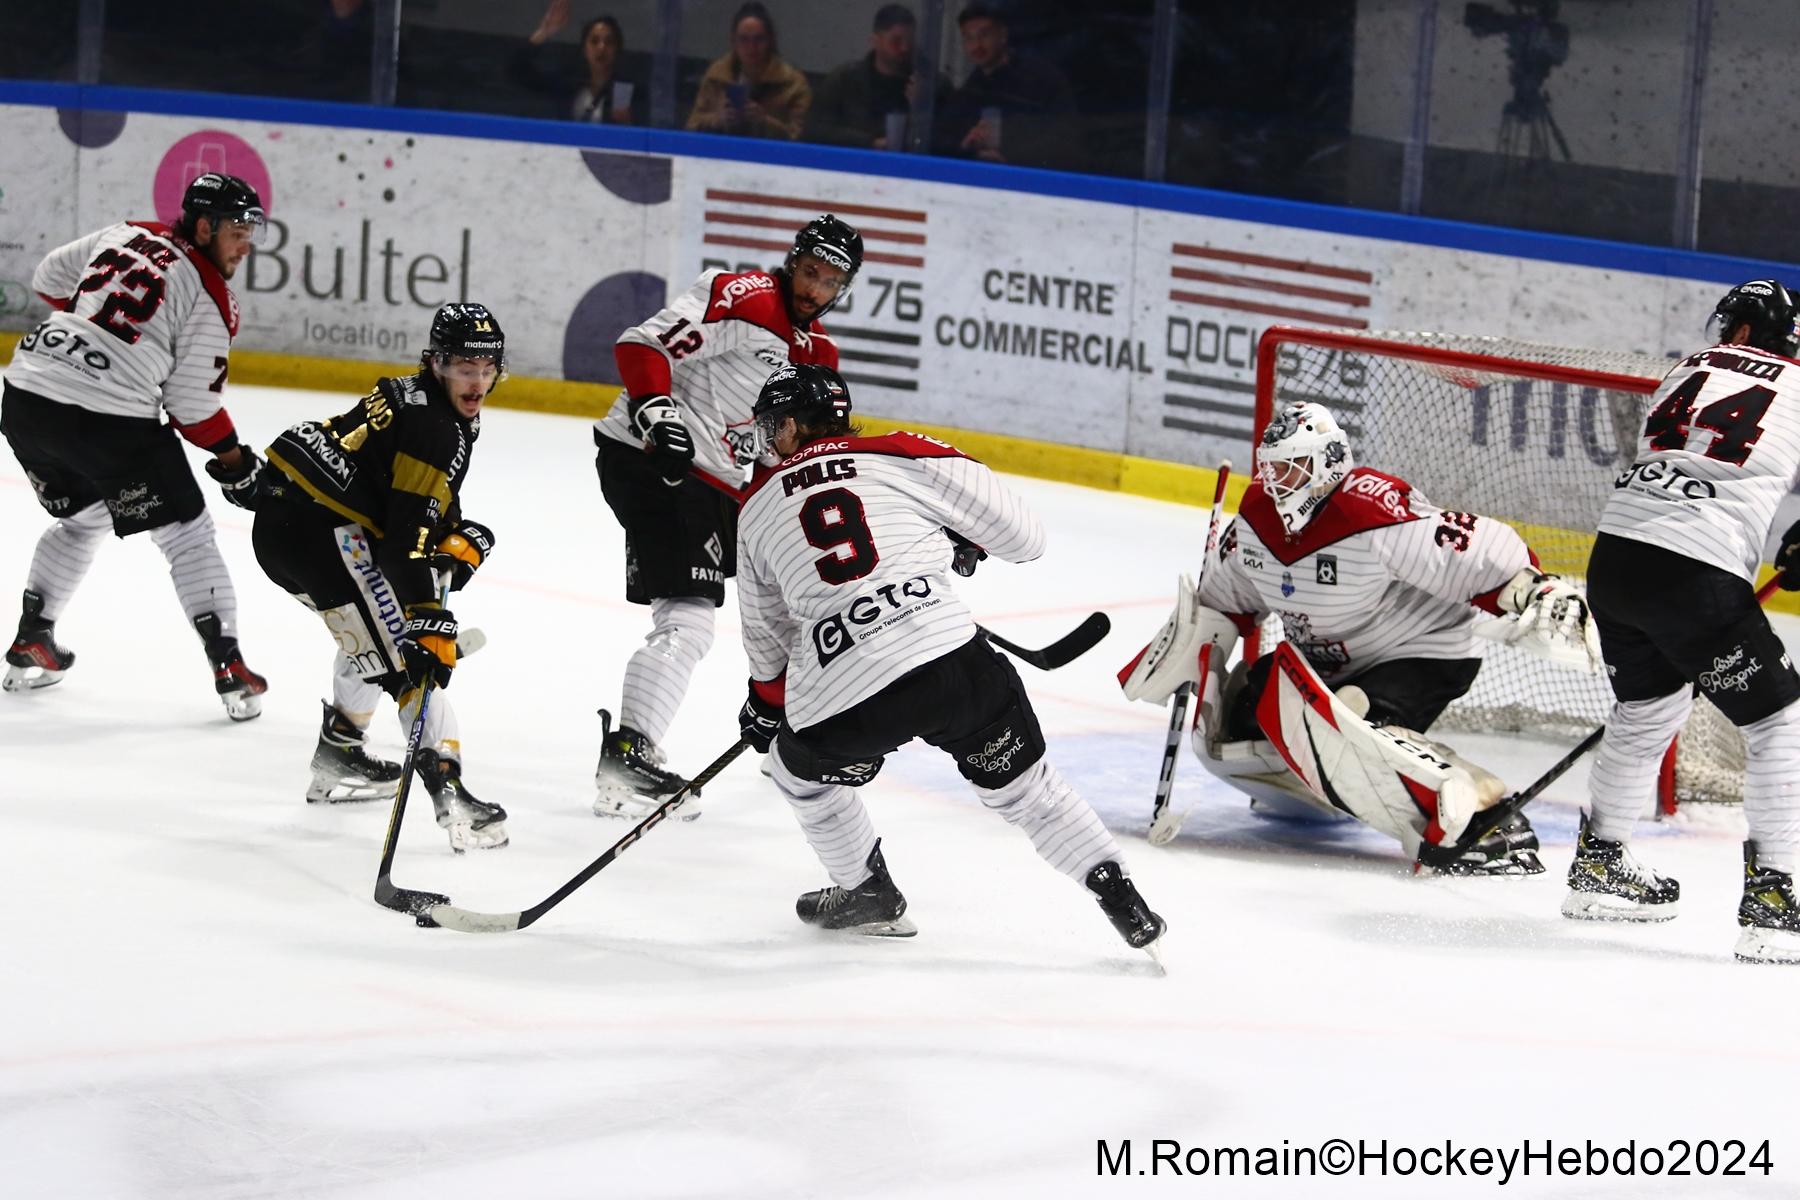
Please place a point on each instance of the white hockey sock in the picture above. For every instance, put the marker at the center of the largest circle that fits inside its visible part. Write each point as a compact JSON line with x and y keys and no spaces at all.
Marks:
{"x":1622,"y":785}
{"x":440,"y":732}
{"x":352,"y":695}
{"x":1772,"y":788}
{"x":832,"y":816}
{"x":1067,"y":833}
{"x":656,"y":677}
{"x":64,"y":554}
{"x":201,"y":580}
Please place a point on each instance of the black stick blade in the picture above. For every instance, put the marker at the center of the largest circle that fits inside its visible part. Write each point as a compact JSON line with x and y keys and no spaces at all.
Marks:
{"x":1064,"y":650}
{"x":408,"y":900}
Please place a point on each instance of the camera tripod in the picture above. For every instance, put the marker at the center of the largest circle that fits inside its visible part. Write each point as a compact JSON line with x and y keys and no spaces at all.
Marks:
{"x":1528,"y":128}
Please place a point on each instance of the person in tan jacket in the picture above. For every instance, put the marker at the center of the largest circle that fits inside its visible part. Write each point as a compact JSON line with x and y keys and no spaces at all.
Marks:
{"x":750,"y":91}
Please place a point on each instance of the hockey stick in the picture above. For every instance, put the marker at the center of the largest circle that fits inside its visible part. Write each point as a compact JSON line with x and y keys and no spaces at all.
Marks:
{"x":447,"y":915}
{"x":1062,"y":651}
{"x":1164,"y":823}
{"x":400,"y":899}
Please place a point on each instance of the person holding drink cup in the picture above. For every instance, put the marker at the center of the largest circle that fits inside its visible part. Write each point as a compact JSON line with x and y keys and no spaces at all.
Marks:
{"x":750,"y":91}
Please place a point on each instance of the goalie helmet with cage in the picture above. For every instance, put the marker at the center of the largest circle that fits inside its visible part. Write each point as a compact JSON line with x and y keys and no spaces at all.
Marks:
{"x":1768,"y":308}
{"x":813,"y":395}
{"x":833,"y":241}
{"x":466,"y":331}
{"x":1304,"y":455}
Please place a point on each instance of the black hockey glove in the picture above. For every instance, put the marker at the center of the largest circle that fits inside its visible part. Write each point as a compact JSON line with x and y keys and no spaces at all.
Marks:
{"x":760,"y":718}
{"x":249,"y":485}
{"x":967,"y":553}
{"x":1787,"y":559}
{"x":666,"y":437}
{"x":461,"y":551}
{"x":428,"y":645}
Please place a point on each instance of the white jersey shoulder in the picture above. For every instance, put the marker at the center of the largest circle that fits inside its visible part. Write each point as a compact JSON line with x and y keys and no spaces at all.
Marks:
{"x":1718,"y":452}
{"x":843,"y":563}
{"x":146,"y":325}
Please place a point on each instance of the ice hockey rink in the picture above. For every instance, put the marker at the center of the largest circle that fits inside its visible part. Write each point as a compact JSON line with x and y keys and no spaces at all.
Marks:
{"x":200,"y":999}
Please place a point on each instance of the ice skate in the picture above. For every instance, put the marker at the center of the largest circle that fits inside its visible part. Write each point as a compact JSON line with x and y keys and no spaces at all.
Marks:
{"x":630,"y":782}
{"x":469,"y":822}
{"x":1769,"y":913}
{"x":873,"y":907}
{"x":1119,"y":900}
{"x":1608,"y":883}
{"x":342,"y":771}
{"x":240,"y":689}
{"x":1510,"y":848}
{"x":35,"y":660}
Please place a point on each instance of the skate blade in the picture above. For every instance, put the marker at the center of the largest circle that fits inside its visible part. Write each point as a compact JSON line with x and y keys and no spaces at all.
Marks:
{"x":241,"y":706}
{"x":899,"y":927}
{"x":1758,"y":945}
{"x":464,"y":836}
{"x":629,"y":806}
{"x":1598,"y":906}
{"x":21,"y":679}
{"x":351,"y":793}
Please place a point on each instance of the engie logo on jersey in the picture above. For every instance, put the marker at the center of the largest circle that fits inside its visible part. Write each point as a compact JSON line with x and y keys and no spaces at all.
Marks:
{"x":890,"y":604}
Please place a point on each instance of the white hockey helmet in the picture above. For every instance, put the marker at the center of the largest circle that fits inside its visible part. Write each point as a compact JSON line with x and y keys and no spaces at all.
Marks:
{"x":1304,"y":455}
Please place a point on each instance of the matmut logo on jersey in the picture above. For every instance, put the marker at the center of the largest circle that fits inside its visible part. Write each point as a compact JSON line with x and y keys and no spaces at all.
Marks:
{"x":890,"y":604}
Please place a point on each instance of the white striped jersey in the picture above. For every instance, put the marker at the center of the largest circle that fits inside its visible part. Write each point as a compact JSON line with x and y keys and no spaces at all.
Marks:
{"x":843,"y":563}
{"x":1379,"y":573}
{"x":146,"y":324}
{"x":1719,"y":451}
{"x":719,"y":342}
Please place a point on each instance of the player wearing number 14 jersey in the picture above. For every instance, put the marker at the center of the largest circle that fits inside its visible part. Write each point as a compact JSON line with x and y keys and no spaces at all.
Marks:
{"x":1671,"y":585}
{"x":143,"y":325}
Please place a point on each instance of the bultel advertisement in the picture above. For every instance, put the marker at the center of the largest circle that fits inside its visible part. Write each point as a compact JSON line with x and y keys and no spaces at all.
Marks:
{"x":1081,"y":322}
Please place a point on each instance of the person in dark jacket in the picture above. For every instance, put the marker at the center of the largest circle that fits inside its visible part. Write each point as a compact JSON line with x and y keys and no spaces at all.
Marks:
{"x":852,"y":106}
{"x":1013,"y":108}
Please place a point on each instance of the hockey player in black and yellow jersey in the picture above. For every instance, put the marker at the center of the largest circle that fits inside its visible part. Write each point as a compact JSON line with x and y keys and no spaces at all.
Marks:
{"x":361,"y":515}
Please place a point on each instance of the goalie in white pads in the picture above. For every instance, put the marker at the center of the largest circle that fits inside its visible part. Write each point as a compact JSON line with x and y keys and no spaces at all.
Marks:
{"x":1379,"y":593}
{"x":857,"y":645}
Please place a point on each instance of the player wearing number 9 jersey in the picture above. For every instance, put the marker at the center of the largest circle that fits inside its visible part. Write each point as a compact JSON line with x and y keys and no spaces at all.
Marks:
{"x":1671,"y":584}
{"x":857,"y":645}
{"x":672,"y":452}
{"x":143,"y":324}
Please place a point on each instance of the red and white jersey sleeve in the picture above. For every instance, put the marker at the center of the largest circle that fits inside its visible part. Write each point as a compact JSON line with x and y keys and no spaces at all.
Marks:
{"x":145,"y":325}
{"x":1719,"y":451}
{"x":712,"y":349}
{"x":1378,"y":574}
{"x":843,"y":563}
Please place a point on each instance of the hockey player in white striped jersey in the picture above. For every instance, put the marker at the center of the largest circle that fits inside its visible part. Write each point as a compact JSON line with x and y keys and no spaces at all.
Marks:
{"x":1671,"y":579}
{"x":857,"y":645}
{"x":143,"y":324}
{"x":672,"y":453}
{"x":1378,"y":592}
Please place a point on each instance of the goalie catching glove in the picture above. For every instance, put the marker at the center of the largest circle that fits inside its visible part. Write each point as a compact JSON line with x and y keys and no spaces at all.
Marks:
{"x":461,"y":551}
{"x":1553,"y":620}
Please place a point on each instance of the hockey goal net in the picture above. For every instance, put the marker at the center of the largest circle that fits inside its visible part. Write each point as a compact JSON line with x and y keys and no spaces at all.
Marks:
{"x":1528,"y":433}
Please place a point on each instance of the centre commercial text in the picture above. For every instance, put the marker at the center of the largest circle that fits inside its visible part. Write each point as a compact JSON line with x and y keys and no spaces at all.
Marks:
{"x":1045,"y":341}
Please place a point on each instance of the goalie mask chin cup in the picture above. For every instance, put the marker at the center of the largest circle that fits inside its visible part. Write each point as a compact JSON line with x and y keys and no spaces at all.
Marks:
{"x":1304,"y":455}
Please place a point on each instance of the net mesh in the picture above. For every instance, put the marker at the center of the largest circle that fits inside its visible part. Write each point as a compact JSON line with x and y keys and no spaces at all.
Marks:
{"x":1531,"y":434}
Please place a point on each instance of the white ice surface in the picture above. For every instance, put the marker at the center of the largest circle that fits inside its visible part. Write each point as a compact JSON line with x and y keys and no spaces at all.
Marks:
{"x":199,"y":1000}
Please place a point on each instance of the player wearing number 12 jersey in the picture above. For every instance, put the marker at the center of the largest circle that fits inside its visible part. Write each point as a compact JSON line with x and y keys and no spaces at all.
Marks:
{"x":858,"y":645}
{"x":672,"y":452}
{"x":1671,"y":583}
{"x":143,"y":324}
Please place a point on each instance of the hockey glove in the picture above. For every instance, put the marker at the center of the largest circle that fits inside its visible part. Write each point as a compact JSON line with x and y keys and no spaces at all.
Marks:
{"x":666,"y":437}
{"x":760,"y":718}
{"x":461,"y":551}
{"x":248,"y":485}
{"x":967,"y":554}
{"x":1787,"y":559}
{"x":428,"y":645}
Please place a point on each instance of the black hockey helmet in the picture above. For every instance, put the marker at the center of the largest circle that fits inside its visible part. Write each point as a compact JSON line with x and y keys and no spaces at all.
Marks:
{"x":1770,"y":311}
{"x":833,"y":241}
{"x":814,"y":395}
{"x":469,"y":330}
{"x":222,"y":198}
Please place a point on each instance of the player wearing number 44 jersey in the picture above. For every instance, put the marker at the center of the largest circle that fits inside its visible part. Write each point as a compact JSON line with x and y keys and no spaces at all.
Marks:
{"x":1671,"y":580}
{"x":143,"y":324}
{"x":672,"y":451}
{"x":1378,"y":592}
{"x":857,"y":645}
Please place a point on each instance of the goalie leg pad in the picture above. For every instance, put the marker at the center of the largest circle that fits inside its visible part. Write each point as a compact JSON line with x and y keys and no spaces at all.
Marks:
{"x":1380,"y":776}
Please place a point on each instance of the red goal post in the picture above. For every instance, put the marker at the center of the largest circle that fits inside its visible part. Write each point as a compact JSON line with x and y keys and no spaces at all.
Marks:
{"x":1528,"y":433}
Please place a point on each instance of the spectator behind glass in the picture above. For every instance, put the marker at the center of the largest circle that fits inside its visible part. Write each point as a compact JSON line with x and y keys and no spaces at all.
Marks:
{"x":751,"y":91}
{"x":854,"y":102}
{"x":1013,"y":108}
{"x":604,"y":96}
